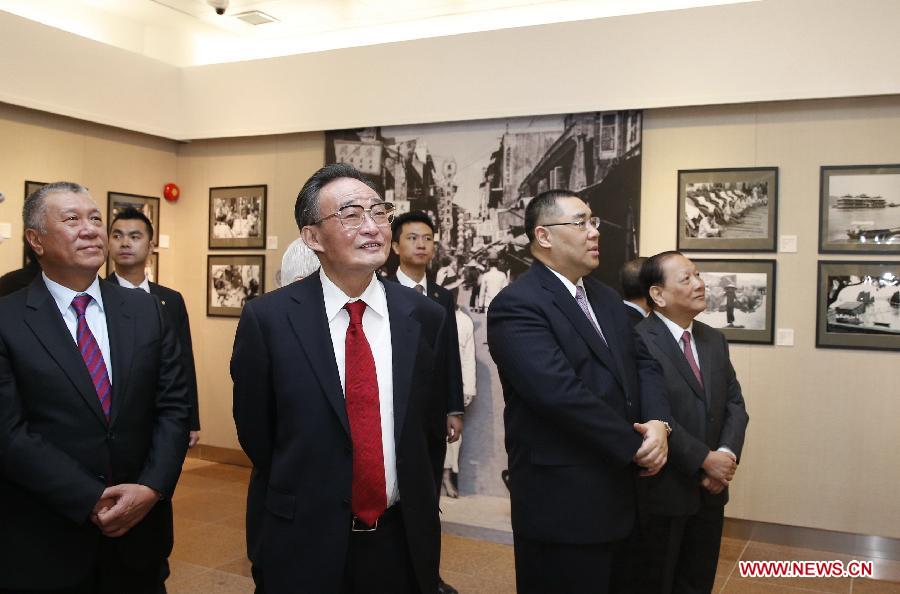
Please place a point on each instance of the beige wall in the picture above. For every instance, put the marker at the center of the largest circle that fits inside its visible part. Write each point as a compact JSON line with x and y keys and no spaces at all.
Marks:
{"x":822,"y":443}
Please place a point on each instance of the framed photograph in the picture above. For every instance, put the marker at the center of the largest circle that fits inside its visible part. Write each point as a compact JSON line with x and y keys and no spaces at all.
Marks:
{"x":859,"y":209}
{"x":149,"y":205}
{"x":726,"y":210}
{"x":30,"y":187}
{"x":740,"y":299}
{"x":858,"y":305}
{"x":237,"y":217}
{"x":231,"y":282}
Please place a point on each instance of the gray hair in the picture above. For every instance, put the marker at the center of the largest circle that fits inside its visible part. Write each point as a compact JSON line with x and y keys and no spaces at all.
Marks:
{"x":298,"y":262}
{"x":36,"y":203}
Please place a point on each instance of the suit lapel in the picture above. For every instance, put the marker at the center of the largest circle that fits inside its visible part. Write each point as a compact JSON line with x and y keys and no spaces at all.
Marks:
{"x":666,"y":342}
{"x":42,"y":316}
{"x":121,"y":331}
{"x":705,"y":354}
{"x":404,"y":346}
{"x":310,"y":325}
{"x":613,"y":340}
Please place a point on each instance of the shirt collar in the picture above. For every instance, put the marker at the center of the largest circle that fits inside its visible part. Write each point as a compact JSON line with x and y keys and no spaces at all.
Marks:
{"x":336,"y":299}
{"x":636,"y":307}
{"x":145,"y":284}
{"x":676,"y":330}
{"x":404,"y":280}
{"x":63,"y":296}
{"x":570,"y":287}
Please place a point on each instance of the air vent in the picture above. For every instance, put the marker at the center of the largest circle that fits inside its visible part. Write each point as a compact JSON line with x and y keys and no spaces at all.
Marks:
{"x":255,"y":17}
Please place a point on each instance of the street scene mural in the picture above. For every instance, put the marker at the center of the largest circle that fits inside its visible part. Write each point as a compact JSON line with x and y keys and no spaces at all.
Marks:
{"x":475,"y":179}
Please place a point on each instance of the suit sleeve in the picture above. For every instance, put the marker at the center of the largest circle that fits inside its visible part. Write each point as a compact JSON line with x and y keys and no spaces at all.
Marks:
{"x":654,"y":399}
{"x":187,"y":363}
{"x":455,"y":403}
{"x":170,"y":432}
{"x":28,"y":460}
{"x":529,"y":358}
{"x":253,"y":405}
{"x":736,"y":417}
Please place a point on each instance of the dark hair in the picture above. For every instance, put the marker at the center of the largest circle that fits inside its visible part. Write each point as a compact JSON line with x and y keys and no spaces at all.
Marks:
{"x":306,"y":209}
{"x":630,"y":278}
{"x":130,"y":213}
{"x":542,"y":205}
{"x":414,"y":216}
{"x":652,"y":273}
{"x":36,"y":203}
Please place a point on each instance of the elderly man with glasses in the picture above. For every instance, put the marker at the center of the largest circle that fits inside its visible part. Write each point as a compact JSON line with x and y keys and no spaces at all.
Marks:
{"x":585,"y":405}
{"x":339,"y":401}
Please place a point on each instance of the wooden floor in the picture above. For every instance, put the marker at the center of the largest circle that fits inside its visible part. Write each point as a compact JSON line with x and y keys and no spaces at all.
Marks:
{"x":209,"y":555}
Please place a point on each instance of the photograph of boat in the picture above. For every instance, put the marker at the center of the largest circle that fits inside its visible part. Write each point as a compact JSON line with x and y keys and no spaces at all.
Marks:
{"x":849,"y":202}
{"x":858,"y":209}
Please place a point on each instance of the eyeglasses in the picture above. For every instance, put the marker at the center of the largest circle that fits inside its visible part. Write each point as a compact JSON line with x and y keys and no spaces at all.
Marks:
{"x":582,"y":225}
{"x":353,"y":215}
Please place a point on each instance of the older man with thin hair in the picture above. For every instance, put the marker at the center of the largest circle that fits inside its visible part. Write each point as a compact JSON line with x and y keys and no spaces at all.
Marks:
{"x":93,"y":416}
{"x":340,"y":401}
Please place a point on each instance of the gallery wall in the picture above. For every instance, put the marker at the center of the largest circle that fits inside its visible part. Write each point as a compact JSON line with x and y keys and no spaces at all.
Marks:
{"x":821,"y":446}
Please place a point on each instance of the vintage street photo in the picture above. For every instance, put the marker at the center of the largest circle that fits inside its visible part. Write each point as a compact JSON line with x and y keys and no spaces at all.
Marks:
{"x":859,"y":209}
{"x":859,"y":305}
{"x":727,"y":209}
{"x":232,"y":282}
{"x":237,"y":217}
{"x":739,"y":298}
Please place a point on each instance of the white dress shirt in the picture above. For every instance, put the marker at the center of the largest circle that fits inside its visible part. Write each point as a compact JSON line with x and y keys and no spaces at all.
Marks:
{"x":145,"y":284}
{"x":404,"y":280}
{"x":377,"y":328}
{"x":572,"y":288}
{"x":94,"y":314}
{"x":635,"y":307}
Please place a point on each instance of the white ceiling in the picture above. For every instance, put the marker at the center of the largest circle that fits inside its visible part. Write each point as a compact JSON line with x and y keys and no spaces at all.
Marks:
{"x":189,"y":33}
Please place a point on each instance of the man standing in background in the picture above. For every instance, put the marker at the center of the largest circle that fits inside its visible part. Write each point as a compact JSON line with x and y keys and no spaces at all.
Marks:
{"x":635,"y":298}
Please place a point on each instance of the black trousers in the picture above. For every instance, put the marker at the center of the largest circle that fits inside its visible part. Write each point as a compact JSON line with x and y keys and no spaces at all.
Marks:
{"x":378,"y":561}
{"x":545,"y":567}
{"x":677,"y":554}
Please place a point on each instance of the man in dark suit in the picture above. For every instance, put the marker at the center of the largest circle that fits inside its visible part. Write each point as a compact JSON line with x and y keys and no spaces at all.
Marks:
{"x":130,"y":245}
{"x":93,"y":416}
{"x":585,"y":405}
{"x":683,"y":506}
{"x":635,"y":298}
{"x":339,"y":396}
{"x":412,"y":239}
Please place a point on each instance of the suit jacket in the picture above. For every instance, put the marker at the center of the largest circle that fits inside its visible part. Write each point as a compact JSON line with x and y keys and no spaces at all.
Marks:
{"x":292,"y":422}
{"x":57,"y":452}
{"x":705,"y":418}
{"x":176,"y":313}
{"x":570,"y":405}
{"x":634,"y":315}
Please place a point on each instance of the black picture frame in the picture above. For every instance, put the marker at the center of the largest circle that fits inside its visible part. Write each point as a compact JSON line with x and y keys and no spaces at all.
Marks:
{"x":30,"y":187}
{"x":706,"y":197}
{"x":228,"y":229}
{"x":753,"y":304}
{"x":227,"y":300}
{"x":859,"y":209}
{"x":149,"y":205}
{"x":858,"y":315}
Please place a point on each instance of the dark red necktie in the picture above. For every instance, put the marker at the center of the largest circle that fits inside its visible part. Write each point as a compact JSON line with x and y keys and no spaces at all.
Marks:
{"x":90,"y":352}
{"x":369,"y":497}
{"x":689,"y":355}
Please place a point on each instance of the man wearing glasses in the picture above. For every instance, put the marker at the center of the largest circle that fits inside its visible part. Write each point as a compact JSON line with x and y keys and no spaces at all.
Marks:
{"x":339,"y":402}
{"x":585,"y":405}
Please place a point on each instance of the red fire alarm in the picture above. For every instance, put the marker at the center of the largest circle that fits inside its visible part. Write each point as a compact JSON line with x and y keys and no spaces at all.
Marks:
{"x":171,"y":192}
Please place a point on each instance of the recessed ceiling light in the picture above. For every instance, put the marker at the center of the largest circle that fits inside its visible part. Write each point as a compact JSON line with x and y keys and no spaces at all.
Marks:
{"x":255,"y":17}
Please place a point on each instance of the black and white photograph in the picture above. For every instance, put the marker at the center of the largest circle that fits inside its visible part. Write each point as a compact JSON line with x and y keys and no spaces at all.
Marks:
{"x":149,"y":206}
{"x":232,"y":281}
{"x":740,"y":298}
{"x":858,"y":305}
{"x":475,"y":178}
{"x":728,"y":209}
{"x":859,"y":209}
{"x":237,"y":217}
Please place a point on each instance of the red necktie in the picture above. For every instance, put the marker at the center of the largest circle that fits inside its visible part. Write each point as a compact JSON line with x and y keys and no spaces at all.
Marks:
{"x":689,"y":355}
{"x":369,"y":497}
{"x":90,"y":352}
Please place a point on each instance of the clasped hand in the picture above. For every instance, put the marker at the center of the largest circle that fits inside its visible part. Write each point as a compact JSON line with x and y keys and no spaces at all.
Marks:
{"x":652,"y":454}
{"x":121,"y":507}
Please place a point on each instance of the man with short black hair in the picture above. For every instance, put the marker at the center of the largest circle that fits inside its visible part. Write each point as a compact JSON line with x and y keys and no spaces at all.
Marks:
{"x":635,"y":299}
{"x":93,"y":416}
{"x":339,"y":402}
{"x":130,"y":247}
{"x":585,"y":405}
{"x":683,"y":506}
